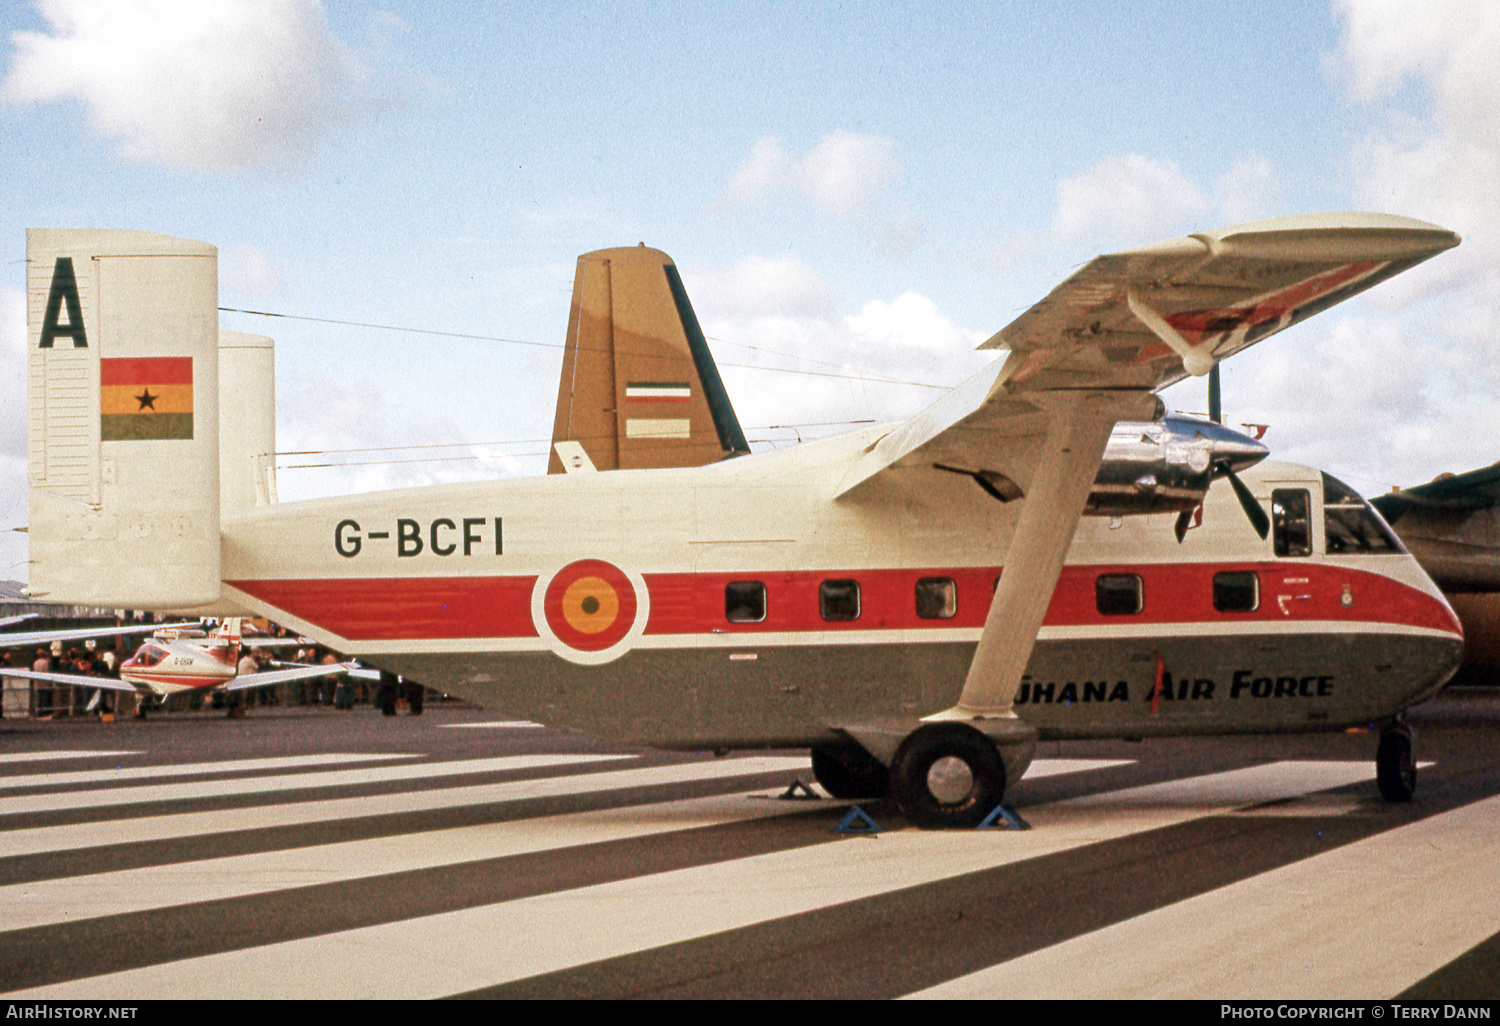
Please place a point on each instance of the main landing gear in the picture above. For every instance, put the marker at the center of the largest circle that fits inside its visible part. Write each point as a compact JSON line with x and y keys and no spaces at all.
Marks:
{"x":1395,"y":769}
{"x":850,"y":772}
{"x":947,"y":775}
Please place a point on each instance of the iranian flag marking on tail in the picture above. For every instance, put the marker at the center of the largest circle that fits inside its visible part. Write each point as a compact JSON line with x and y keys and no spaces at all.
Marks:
{"x":145,"y":397}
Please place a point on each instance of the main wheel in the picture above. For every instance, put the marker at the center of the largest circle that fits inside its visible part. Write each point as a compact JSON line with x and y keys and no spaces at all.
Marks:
{"x":1395,"y":769}
{"x":850,"y":772}
{"x":947,"y":775}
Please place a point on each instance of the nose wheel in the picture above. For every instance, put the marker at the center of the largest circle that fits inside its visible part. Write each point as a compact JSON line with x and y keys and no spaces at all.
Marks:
{"x":1395,"y":769}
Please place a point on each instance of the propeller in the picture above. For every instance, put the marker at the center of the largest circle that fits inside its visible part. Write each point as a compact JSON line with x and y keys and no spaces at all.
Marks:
{"x":1254,"y":512}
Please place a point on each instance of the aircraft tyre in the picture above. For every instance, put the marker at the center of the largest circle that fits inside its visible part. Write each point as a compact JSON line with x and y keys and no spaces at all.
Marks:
{"x":1395,"y":769}
{"x":850,"y":772}
{"x":414,"y":697}
{"x":947,"y":775}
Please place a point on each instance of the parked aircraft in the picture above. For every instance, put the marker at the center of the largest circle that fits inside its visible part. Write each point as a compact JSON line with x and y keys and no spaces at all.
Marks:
{"x":181,"y":659}
{"x":846,"y":595}
{"x":1452,"y":526}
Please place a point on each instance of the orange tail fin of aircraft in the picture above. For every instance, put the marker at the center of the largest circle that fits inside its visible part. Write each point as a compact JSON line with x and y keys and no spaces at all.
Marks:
{"x":639,"y":387}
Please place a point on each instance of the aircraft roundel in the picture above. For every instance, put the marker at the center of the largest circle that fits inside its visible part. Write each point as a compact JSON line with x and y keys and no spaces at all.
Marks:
{"x":591,"y":608}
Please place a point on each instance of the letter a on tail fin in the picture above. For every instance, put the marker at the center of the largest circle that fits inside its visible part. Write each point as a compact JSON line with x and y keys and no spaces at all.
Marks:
{"x":639,"y":387}
{"x":123,"y":445}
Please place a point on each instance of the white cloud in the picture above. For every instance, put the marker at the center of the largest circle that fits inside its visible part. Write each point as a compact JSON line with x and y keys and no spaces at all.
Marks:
{"x":840,"y":174}
{"x":765,"y":286}
{"x":1127,"y":196}
{"x":845,"y":169}
{"x":207,"y":86}
{"x":344,"y":423}
{"x":767,"y":167}
{"x":1432,"y":84}
{"x":246,"y":269}
{"x":1248,"y":191}
{"x":780,"y":313}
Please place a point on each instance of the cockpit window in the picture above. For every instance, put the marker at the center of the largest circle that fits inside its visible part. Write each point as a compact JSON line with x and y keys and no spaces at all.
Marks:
{"x":1290,"y":522}
{"x":1351,"y":526}
{"x":150,"y":656}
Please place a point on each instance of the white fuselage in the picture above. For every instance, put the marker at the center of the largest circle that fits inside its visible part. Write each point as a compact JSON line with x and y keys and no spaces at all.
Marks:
{"x":739,"y":605}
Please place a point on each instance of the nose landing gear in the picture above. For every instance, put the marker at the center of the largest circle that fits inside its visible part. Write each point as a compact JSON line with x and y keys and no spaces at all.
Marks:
{"x":1395,"y":769}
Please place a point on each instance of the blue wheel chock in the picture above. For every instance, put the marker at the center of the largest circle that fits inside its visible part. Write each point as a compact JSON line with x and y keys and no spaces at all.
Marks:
{"x":1011,"y":819}
{"x":798,"y":792}
{"x":857,"y":821}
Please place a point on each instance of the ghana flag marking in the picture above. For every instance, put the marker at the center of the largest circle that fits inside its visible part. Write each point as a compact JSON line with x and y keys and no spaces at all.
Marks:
{"x":145,"y":397}
{"x":658,"y":392}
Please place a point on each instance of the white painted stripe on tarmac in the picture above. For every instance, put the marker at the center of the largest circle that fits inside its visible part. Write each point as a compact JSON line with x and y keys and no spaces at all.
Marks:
{"x":64,"y":754}
{"x":35,"y":840}
{"x":188,"y":769}
{"x":69,"y":899}
{"x":1364,"y":922}
{"x":494,"y":944}
{"x":116,"y":796}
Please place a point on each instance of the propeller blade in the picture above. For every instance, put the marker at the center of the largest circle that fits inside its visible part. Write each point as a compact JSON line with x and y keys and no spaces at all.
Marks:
{"x":1184,"y":521}
{"x":1252,"y":508}
{"x":1215,"y":410}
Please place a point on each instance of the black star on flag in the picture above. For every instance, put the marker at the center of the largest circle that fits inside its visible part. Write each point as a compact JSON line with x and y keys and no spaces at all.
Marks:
{"x":147,"y":400}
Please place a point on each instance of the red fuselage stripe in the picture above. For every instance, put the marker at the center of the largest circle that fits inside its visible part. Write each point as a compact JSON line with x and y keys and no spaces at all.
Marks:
{"x":399,"y":608}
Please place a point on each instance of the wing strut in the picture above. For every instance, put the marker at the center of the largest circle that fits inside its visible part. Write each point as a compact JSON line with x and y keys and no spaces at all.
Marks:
{"x":1078,"y":429}
{"x":1196,"y":360}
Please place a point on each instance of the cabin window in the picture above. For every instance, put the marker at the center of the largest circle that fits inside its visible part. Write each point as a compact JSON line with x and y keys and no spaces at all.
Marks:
{"x":838,"y":600}
{"x":1118,"y":594}
{"x":150,"y":656}
{"x":744,"y":601}
{"x":937,"y":598}
{"x":1350,"y":526}
{"x":1291,"y":525}
{"x":1237,"y":591}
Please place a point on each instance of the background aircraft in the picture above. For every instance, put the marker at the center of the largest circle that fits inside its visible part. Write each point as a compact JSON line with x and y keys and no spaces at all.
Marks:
{"x":1452,"y":527}
{"x":840,"y":595}
{"x":180,"y":659}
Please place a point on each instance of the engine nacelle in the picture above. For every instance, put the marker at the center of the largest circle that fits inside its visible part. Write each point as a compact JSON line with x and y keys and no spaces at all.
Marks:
{"x":1166,"y":465}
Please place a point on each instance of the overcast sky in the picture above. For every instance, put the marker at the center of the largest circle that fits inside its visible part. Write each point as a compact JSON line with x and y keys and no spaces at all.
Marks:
{"x":858,"y":189}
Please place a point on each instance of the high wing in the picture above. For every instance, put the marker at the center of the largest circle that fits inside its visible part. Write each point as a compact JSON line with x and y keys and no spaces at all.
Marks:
{"x":7,"y":621}
{"x":76,"y":679}
{"x":267,"y":677}
{"x":1477,"y":489}
{"x":1145,"y":318}
{"x":12,"y":640}
{"x":1093,"y":352}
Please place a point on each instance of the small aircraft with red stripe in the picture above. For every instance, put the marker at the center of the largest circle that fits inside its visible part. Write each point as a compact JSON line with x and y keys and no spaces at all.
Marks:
{"x":183,"y":658}
{"x":1042,"y":553}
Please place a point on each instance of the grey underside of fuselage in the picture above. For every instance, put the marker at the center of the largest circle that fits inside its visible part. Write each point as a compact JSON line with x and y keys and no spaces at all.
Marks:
{"x":796,"y":695}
